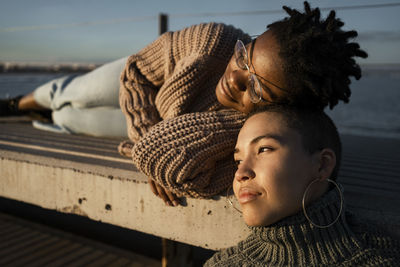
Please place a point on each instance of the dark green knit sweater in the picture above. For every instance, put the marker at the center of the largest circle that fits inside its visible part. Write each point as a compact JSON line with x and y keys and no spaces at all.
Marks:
{"x":295,"y":242}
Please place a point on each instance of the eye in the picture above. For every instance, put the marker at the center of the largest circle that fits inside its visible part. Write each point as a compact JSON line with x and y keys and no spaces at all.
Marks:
{"x":264,"y":149}
{"x":237,"y":162}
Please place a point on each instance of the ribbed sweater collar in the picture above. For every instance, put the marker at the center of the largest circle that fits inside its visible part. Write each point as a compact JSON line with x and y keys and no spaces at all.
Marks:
{"x":295,"y":241}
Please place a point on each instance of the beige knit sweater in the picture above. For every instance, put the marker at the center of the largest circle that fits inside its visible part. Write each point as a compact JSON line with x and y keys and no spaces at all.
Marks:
{"x":172,"y":82}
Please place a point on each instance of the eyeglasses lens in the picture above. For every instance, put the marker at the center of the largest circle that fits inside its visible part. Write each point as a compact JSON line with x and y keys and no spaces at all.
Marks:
{"x":255,"y":89}
{"x":242,"y":62}
{"x":241,"y":55}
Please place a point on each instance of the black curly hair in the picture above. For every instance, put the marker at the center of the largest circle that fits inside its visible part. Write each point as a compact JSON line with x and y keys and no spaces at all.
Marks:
{"x":318,"y":58}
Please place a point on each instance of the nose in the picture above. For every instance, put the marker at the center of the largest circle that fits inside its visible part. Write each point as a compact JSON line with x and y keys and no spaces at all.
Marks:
{"x":238,"y":80}
{"x":244,"y":172}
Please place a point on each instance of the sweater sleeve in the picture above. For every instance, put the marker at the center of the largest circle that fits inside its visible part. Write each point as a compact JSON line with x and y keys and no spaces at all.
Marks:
{"x":140,"y":81}
{"x":176,"y":74}
{"x":192,"y":154}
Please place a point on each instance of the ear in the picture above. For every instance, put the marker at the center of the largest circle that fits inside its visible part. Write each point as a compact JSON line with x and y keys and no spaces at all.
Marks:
{"x":327,"y":163}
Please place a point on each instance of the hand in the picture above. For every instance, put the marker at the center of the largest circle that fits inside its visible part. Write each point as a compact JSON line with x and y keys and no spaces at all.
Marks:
{"x":125,"y":148}
{"x":169,"y":198}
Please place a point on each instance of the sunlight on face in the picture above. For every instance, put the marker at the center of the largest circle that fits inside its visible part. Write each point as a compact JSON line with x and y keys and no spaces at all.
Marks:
{"x":232,"y":89}
{"x":273,"y":169}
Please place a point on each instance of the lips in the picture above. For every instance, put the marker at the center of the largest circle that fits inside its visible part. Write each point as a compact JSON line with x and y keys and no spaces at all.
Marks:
{"x":226,"y":90}
{"x":247,"y":194}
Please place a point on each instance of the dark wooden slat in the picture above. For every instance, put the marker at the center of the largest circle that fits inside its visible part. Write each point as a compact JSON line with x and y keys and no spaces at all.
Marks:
{"x":41,"y":253}
{"x":68,"y":258}
{"x":377,"y":162}
{"x":49,"y":258}
{"x":88,"y":258}
{"x":26,"y":251}
{"x":382,"y":169}
{"x":6,"y":228}
{"x":16,"y":237}
{"x":106,"y":260}
{"x":38,"y":245}
{"x":371,"y":191}
{"x":383,"y":181}
{"x":18,"y":248}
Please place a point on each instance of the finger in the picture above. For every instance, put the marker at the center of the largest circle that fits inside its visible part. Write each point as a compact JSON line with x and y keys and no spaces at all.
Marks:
{"x":172,"y":198}
{"x":153,"y":186}
{"x":125,"y":148}
{"x":127,"y":151}
{"x":163,"y":195}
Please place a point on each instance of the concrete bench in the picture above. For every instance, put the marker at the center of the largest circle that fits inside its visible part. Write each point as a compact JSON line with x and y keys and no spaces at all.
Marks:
{"x":86,"y":176}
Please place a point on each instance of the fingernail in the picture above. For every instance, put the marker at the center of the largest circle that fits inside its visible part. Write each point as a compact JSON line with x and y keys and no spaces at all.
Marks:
{"x":169,"y":203}
{"x":176,"y":203}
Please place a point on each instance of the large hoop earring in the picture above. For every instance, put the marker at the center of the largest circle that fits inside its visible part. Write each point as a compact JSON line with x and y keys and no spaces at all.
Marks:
{"x":228,"y":198}
{"x":341,"y":203}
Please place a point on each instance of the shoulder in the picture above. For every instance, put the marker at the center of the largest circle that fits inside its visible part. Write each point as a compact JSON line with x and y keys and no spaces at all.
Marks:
{"x":378,"y":245}
{"x":214,"y":39}
{"x":211,"y":27}
{"x":370,"y":232}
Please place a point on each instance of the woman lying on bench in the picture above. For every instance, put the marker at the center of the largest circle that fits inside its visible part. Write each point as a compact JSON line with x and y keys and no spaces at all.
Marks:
{"x":185,"y":95}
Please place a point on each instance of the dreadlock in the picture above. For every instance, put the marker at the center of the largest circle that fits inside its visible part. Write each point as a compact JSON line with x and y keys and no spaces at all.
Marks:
{"x":318,"y":58}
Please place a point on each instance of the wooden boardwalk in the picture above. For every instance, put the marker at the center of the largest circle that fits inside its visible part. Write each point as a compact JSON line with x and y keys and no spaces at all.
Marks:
{"x":370,"y":174}
{"x":23,"y":243}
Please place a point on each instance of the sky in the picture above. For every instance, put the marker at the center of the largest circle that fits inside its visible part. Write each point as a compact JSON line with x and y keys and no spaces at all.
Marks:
{"x":98,"y":31}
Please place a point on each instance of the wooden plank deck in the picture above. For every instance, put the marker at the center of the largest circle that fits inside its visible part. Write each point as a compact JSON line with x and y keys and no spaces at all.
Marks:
{"x":23,"y":243}
{"x":370,"y":173}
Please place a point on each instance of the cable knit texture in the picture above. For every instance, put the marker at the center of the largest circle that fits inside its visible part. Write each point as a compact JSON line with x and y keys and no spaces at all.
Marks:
{"x":174,"y":79}
{"x":175,"y":75}
{"x":192,"y":154}
{"x":295,"y":242}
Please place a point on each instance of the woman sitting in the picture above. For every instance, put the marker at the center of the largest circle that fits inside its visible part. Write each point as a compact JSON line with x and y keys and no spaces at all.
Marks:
{"x":287,"y":163}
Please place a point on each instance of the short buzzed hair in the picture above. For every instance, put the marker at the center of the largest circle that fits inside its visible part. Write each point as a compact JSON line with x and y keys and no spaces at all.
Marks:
{"x":316,"y":128}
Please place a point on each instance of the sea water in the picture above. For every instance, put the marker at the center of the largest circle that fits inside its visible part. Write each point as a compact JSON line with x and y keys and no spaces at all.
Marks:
{"x":373,"y":110}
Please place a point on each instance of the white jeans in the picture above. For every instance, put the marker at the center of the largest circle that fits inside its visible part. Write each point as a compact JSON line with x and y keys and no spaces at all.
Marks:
{"x":86,"y":104}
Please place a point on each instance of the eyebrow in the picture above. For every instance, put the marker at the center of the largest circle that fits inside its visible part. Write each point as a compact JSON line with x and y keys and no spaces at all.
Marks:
{"x":276,"y":137}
